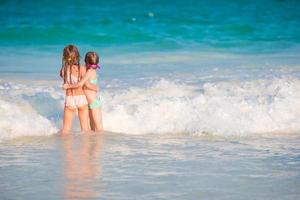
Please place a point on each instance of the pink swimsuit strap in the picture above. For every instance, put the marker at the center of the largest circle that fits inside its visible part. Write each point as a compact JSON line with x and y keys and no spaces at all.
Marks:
{"x":90,"y":66}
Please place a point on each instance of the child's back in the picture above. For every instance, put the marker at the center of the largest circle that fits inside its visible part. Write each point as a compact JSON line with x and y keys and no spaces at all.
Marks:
{"x":91,"y":95}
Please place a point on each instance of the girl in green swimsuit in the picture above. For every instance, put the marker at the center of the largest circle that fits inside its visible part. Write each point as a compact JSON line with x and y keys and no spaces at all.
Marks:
{"x":92,"y":64}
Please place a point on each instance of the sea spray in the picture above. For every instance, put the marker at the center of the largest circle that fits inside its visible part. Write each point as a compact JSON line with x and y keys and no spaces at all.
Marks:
{"x":22,"y":120}
{"x":223,"y":108}
{"x":233,"y":108}
{"x":20,"y":116}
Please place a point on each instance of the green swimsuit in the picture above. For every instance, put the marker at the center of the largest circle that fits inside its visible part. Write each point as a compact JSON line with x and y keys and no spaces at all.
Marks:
{"x":97,"y":103}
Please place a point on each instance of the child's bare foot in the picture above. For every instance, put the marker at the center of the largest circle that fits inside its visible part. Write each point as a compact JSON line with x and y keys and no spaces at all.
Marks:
{"x":64,"y":132}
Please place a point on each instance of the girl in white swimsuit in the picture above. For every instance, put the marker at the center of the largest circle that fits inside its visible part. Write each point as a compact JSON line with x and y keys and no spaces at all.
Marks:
{"x":75,"y":101}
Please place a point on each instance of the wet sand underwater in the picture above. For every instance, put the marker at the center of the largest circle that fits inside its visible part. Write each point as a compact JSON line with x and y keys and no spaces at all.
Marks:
{"x":173,"y":166}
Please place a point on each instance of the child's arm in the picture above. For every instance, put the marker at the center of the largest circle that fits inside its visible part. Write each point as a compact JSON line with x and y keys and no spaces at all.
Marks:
{"x":88,"y":85}
{"x":91,"y":86}
{"x":80,"y":83}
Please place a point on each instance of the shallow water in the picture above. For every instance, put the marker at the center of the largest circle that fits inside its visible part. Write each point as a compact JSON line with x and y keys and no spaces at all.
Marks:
{"x":117,"y":166}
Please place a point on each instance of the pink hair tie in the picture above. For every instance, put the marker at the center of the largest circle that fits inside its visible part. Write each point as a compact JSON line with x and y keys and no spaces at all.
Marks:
{"x":97,"y":66}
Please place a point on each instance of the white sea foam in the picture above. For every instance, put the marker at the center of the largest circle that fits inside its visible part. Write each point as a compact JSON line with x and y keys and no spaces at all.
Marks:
{"x":222,"y":108}
{"x":18,"y":117}
{"x":22,"y":120}
{"x":228,"y":108}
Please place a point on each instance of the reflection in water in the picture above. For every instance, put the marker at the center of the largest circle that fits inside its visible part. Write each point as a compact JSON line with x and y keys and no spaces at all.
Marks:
{"x":82,"y":166}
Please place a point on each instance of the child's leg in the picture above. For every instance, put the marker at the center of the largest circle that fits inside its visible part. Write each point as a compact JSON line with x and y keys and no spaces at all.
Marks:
{"x":92,"y":123}
{"x":83,"y":114}
{"x":97,"y":117}
{"x":69,"y":115}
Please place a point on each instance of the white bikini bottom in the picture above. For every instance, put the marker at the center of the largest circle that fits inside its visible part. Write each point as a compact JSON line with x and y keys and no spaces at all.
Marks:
{"x":75,"y":101}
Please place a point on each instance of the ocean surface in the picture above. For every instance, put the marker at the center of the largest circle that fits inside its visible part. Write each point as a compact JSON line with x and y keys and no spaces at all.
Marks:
{"x":201,"y":99}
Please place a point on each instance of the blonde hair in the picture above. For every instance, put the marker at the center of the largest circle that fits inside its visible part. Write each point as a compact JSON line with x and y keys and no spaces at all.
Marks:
{"x":70,"y":57}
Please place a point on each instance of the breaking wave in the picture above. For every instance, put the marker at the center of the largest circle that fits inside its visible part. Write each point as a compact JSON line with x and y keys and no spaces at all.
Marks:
{"x":228,"y":108}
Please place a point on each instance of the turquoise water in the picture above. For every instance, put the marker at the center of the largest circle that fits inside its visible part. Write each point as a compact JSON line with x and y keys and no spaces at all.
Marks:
{"x":130,"y":34}
{"x":33,"y":34}
{"x":247,"y":26}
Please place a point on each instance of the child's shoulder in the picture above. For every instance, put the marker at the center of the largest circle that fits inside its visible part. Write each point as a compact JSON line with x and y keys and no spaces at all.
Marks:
{"x":82,"y":68}
{"x":91,"y":70}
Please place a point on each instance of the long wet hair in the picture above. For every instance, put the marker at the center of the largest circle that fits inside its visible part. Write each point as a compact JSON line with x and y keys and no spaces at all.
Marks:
{"x":91,"y":58}
{"x":70,"y":57}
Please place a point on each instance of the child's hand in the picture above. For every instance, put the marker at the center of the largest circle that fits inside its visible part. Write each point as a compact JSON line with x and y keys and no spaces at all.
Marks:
{"x":65,"y":86}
